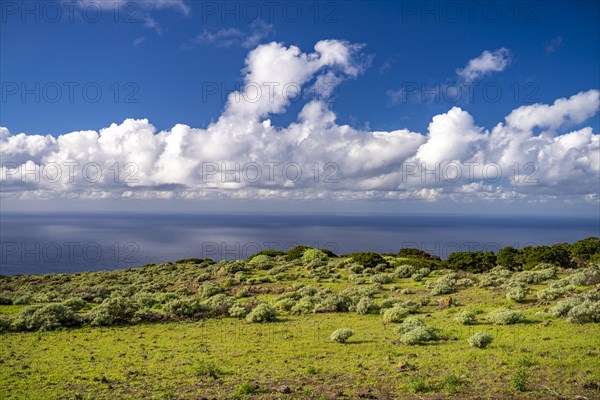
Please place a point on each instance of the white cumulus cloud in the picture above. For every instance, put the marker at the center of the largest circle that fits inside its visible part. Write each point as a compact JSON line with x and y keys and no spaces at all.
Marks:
{"x":244,"y":156}
{"x":487,"y":62}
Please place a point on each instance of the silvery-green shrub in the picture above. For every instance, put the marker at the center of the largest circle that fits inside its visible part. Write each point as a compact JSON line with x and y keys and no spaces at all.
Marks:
{"x":341,"y":335}
{"x":505,"y":316}
{"x":480,"y":340}
{"x":262,"y":313}
{"x":466,"y":318}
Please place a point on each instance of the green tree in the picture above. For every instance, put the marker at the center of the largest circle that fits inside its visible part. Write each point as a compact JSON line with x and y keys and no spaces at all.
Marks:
{"x":471,"y":261}
{"x":509,"y":257}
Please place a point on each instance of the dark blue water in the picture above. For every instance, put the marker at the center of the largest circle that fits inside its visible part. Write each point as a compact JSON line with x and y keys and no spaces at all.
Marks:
{"x":62,"y":243}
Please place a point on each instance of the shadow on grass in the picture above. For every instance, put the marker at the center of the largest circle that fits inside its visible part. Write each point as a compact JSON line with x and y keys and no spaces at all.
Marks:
{"x":360,"y":342}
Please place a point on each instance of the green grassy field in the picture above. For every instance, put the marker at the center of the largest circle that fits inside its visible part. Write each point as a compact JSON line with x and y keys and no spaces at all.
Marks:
{"x":221,"y":357}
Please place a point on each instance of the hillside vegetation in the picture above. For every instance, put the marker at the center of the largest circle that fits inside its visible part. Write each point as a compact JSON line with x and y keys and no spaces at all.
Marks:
{"x":311,"y":324}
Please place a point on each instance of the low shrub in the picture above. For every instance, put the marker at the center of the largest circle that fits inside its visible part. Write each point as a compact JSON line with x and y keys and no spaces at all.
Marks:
{"x":145,"y":299}
{"x":555,"y":290}
{"x":562,"y":308}
{"x":586,"y":276}
{"x":497,"y":277}
{"x":75,"y":304}
{"x":333,"y":303}
{"x":305,"y":305}
{"x":209,"y":289}
{"x":409,"y":324}
{"x":517,"y":294}
{"x":366,"y":305}
{"x":389,"y":303}
{"x":417,"y":277}
{"x":588,"y":311}
{"x":382,"y":278}
{"x":112,"y":310}
{"x":205,"y":368}
{"x":220,"y":303}
{"x":541,"y":273}
{"x":519,"y":381}
{"x":418,"y":335}
{"x":395,"y":314}
{"x":5,"y":301}
{"x":23,"y":299}
{"x":480,"y":340}
{"x":405,"y":271}
{"x":261,"y":261}
{"x":268,"y":253}
{"x":423,"y":301}
{"x":466,"y":318}
{"x":146,"y":315}
{"x":447,"y":284}
{"x":262,"y":313}
{"x":239,"y":310}
{"x":5,"y":322}
{"x":45,"y":318}
{"x":244,"y":389}
{"x":285,"y":304}
{"x":165,"y":297}
{"x":313,"y":255}
{"x":295,"y":253}
{"x":505,"y":316}
{"x":185,"y":307}
{"x":442,"y":288}
{"x":341,"y":335}
{"x":356,"y":269}
{"x":411,"y":305}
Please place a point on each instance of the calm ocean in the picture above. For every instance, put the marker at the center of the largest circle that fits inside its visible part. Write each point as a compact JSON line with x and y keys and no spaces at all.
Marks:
{"x":63,"y":243}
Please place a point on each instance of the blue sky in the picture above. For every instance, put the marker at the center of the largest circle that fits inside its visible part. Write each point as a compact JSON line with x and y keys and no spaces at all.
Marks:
{"x":168,"y":79}
{"x":157,"y":61}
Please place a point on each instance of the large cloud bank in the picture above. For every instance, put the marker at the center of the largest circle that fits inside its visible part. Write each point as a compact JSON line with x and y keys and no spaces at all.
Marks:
{"x":530,"y":155}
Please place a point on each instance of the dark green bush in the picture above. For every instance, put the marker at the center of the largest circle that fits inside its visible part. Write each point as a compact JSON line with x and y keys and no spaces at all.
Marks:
{"x":586,"y":248}
{"x":416,"y":253}
{"x":329,"y":253}
{"x":295,"y":253}
{"x":270,"y":253}
{"x":368,"y":259}
{"x":5,"y":323}
{"x":471,"y":261}
{"x":190,"y":261}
